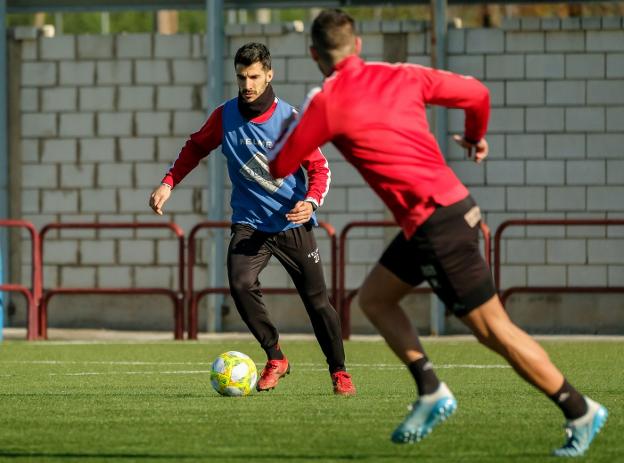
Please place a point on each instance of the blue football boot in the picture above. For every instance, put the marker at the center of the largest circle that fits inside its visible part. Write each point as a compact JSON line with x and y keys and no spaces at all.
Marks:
{"x":582,"y":431}
{"x":427,"y":412}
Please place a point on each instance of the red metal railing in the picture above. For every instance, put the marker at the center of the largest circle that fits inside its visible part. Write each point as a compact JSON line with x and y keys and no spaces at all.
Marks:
{"x":560,"y":289}
{"x":33,"y":294}
{"x":345,"y":298}
{"x":195,"y":296}
{"x":177,"y":297}
{"x":547,"y":289}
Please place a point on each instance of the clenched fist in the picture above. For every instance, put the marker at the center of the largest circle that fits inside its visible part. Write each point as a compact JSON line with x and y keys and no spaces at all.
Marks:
{"x":159,"y":197}
{"x":476,"y":151}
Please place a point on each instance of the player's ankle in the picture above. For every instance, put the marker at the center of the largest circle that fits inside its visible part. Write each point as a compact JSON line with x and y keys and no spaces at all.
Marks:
{"x":274,"y":352}
{"x":570,"y":401}
{"x":427,"y":381}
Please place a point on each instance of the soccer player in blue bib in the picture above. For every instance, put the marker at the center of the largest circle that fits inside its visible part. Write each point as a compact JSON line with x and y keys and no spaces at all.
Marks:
{"x":270,"y":216}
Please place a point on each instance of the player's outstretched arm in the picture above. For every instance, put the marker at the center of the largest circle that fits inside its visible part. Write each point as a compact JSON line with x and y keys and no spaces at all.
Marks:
{"x":307,"y":131}
{"x":159,"y":197}
{"x":476,"y":151}
{"x":197,"y":147}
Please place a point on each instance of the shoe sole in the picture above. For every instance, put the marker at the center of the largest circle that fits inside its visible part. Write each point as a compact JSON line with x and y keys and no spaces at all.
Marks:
{"x":445,"y":410}
{"x":273,"y":387}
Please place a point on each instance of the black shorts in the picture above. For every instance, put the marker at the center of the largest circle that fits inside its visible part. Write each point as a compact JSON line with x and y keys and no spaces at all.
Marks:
{"x":444,"y":251}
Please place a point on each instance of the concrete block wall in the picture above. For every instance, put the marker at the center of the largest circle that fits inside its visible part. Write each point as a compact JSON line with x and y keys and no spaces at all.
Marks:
{"x":102,"y":117}
{"x":555,"y":136}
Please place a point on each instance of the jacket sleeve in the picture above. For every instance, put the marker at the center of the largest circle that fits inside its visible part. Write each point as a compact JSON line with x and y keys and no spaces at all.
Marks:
{"x":319,"y":176}
{"x":457,"y":91}
{"x":306,"y":131}
{"x":197,"y":147}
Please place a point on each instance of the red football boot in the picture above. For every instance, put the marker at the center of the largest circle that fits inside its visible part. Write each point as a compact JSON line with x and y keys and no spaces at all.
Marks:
{"x":342,"y":383}
{"x":271,"y":374}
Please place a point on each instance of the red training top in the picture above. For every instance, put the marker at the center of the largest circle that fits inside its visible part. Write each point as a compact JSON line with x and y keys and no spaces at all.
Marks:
{"x":374,"y":113}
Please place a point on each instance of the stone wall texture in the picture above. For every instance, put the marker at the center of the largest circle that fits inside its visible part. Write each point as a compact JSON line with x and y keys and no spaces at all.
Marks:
{"x":102,"y":117}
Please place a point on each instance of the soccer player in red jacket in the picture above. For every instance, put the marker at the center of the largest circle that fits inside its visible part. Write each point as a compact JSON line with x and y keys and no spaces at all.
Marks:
{"x":374,"y":113}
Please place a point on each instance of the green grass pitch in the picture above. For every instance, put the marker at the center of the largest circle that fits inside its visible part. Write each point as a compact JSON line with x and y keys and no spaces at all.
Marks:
{"x":152,"y":402}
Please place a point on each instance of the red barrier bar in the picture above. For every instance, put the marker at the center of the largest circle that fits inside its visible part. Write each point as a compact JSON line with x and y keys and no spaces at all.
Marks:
{"x":190,"y":263}
{"x":33,"y":295}
{"x":560,"y":289}
{"x":177,"y":297}
{"x":346,"y":299}
{"x":173,"y":295}
{"x":195,"y":296}
{"x":540,"y":222}
{"x":547,"y":289}
{"x":31,"y":326}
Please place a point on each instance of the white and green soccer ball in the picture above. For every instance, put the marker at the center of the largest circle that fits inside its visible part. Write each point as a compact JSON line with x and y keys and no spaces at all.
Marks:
{"x":233,"y":374}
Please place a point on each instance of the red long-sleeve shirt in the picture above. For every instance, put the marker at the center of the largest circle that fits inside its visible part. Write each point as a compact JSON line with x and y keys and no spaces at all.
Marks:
{"x":210,"y":136}
{"x":374,"y":113}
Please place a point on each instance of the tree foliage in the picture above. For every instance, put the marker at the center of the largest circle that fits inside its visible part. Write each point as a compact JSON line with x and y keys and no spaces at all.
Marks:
{"x":194,"y":21}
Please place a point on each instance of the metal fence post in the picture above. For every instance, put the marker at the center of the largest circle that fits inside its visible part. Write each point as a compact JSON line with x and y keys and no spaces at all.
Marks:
{"x":440,"y":124}
{"x":4,"y":153}
{"x":214,"y":55}
{"x":1,"y":299}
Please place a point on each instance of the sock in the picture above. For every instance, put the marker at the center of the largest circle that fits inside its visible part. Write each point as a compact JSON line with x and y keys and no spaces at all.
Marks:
{"x":426,"y":380}
{"x":570,"y":401}
{"x":274,"y":352}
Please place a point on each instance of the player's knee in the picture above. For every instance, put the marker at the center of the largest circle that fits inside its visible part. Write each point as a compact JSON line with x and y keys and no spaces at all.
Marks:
{"x":370,"y":303}
{"x":241,"y":283}
{"x":321,"y":306}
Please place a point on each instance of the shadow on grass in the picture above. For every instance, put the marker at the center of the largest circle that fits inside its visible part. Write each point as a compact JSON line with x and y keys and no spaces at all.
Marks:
{"x":81,"y":456}
{"x":372,"y":457}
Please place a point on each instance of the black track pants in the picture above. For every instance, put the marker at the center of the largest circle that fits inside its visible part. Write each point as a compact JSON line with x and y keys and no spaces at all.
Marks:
{"x":249,"y":252}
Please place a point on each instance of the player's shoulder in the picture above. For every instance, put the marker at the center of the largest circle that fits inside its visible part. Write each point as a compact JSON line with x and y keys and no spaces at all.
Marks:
{"x":380,"y":66}
{"x":228,"y":103}
{"x":227,"y":106}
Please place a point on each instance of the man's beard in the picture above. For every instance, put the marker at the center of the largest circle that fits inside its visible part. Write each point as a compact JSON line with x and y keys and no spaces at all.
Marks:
{"x":257,"y":107}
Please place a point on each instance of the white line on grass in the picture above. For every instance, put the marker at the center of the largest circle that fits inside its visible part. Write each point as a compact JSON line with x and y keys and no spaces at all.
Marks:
{"x":299,"y":364}
{"x":95,"y":362}
{"x":304,"y":368}
{"x":108,"y":373}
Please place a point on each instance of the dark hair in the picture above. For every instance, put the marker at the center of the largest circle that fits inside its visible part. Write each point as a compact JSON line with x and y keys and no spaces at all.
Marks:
{"x":253,"y":52}
{"x":332,"y":29}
